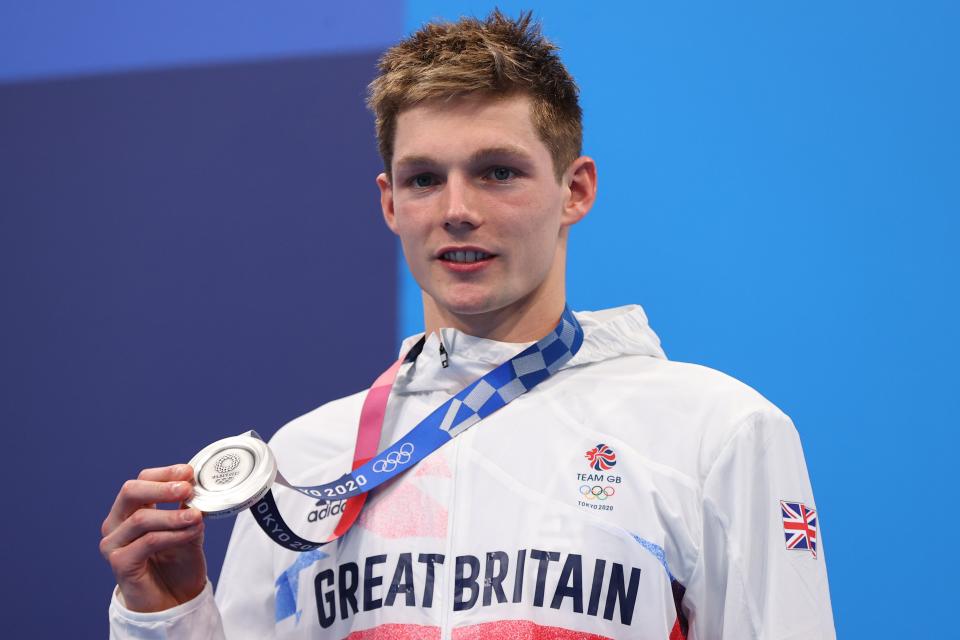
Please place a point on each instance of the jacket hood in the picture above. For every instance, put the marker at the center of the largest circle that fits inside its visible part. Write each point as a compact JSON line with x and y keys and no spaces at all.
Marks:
{"x":610,"y":333}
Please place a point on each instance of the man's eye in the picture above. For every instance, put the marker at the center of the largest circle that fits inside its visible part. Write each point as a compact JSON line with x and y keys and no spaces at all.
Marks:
{"x":501,"y":174}
{"x":423,"y":180}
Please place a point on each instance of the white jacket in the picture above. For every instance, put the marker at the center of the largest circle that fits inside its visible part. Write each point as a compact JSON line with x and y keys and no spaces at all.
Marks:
{"x":507,"y":531}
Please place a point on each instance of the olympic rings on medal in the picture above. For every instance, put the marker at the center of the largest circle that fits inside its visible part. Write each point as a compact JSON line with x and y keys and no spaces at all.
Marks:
{"x":596,"y":492}
{"x":394,"y":459}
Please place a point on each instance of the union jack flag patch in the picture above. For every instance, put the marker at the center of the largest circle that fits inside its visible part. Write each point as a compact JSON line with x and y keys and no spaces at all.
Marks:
{"x":799,"y":526}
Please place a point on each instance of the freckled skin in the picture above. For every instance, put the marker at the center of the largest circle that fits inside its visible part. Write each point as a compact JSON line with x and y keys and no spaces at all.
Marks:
{"x":473,"y":172}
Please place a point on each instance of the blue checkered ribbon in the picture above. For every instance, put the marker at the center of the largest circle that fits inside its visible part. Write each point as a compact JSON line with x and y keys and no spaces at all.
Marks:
{"x":475,"y":402}
{"x":478,"y":400}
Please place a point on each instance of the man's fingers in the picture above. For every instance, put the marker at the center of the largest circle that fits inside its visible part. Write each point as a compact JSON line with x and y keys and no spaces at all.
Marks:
{"x":133,"y":556}
{"x":167,"y":474}
{"x":136,"y":494}
{"x":144,"y":523}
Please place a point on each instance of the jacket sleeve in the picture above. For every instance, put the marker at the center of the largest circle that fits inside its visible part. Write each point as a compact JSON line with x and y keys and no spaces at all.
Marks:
{"x":761,"y":571}
{"x":197,"y":619}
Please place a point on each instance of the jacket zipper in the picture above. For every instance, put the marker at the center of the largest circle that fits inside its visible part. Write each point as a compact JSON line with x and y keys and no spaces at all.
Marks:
{"x":443,"y":356}
{"x":448,"y":562}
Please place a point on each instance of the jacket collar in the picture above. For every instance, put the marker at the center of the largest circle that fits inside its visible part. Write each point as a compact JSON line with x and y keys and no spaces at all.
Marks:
{"x":608,"y":334}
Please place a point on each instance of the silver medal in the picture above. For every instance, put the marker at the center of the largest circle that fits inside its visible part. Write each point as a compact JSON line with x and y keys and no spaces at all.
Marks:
{"x":232,"y":474}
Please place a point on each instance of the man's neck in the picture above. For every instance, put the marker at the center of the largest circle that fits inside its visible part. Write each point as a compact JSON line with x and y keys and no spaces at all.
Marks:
{"x":524,"y":321}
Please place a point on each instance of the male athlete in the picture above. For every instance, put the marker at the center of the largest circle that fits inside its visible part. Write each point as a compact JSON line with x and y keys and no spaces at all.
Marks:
{"x":614,"y":494}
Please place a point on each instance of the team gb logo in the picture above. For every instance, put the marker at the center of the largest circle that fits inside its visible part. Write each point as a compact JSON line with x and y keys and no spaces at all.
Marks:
{"x":601,"y":458}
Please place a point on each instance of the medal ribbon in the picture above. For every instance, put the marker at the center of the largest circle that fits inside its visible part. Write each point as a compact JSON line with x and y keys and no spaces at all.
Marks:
{"x":476,"y":401}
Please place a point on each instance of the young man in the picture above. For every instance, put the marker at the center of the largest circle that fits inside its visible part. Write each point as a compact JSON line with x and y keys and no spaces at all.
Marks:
{"x":623,"y":496}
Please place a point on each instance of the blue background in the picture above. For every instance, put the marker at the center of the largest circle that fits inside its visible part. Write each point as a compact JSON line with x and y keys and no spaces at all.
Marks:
{"x":190,"y":231}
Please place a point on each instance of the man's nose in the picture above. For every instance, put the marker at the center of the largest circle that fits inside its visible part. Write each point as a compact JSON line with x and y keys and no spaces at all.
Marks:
{"x":459,"y":204}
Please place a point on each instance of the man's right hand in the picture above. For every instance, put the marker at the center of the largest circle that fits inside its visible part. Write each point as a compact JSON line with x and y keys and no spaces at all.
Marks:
{"x":156,"y":554}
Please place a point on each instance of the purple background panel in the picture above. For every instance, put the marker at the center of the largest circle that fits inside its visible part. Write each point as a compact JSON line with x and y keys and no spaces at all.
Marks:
{"x":183,"y":255}
{"x":52,"y":38}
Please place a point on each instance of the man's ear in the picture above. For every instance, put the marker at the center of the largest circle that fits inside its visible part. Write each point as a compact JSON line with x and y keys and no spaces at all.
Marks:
{"x":580,"y":179}
{"x":386,"y":201}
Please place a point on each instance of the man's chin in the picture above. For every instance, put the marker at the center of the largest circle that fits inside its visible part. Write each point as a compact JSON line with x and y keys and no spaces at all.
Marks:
{"x":469,"y":309}
{"x":477,"y":303}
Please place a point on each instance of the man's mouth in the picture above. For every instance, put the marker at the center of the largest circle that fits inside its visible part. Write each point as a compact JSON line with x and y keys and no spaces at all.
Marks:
{"x":465,"y":257}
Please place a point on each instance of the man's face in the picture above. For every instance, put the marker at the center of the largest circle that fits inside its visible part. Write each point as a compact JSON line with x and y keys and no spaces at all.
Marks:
{"x":477,"y":205}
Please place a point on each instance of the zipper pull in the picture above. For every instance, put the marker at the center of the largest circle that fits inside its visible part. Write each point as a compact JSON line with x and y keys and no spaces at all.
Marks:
{"x":443,"y":357}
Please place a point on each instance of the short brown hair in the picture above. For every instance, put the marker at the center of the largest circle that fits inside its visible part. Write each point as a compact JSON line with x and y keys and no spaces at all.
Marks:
{"x":496,"y":55}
